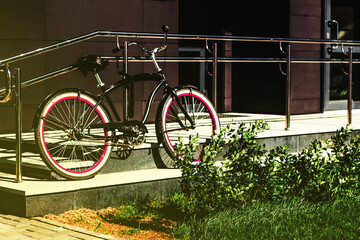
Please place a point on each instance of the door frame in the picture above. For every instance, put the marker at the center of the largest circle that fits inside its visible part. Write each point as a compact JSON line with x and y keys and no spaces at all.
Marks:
{"x":326,"y":34}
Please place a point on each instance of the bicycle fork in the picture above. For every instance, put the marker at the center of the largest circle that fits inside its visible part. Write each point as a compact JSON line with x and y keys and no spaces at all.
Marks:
{"x":183,"y":110}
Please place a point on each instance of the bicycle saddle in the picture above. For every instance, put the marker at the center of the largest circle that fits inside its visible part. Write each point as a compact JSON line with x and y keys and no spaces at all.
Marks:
{"x":91,"y":63}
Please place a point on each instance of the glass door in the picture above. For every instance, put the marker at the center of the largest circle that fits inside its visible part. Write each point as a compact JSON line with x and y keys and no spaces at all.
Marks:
{"x":341,"y":21}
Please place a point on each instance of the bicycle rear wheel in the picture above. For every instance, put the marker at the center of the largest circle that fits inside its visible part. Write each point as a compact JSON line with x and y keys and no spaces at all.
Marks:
{"x":66,"y":143}
{"x":170,"y":118}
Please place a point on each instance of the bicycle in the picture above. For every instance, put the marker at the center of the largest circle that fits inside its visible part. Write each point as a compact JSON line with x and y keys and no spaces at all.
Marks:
{"x":75,"y":132}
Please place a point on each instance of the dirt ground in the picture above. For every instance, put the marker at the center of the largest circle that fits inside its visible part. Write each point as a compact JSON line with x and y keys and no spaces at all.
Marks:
{"x":89,"y":219}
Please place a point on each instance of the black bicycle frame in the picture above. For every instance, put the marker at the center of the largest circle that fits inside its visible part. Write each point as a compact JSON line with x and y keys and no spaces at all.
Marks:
{"x":143,"y":77}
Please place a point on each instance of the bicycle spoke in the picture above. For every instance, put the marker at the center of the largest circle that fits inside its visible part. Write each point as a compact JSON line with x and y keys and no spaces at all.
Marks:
{"x":82,"y":117}
{"x":55,"y":122}
{"x":59,"y":112}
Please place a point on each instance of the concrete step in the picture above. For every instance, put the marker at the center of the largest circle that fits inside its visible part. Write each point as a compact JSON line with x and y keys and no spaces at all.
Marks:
{"x":33,"y":166}
{"x":141,"y":175}
{"x":147,"y":156}
{"x":304,"y":129}
{"x":37,"y":197}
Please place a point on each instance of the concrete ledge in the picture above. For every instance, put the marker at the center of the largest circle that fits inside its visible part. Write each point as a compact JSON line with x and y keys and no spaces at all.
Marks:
{"x":298,"y":142}
{"x":38,"y":197}
{"x":147,"y":156}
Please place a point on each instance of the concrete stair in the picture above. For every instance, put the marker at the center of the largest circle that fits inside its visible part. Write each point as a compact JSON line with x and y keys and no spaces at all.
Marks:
{"x":142,"y":174}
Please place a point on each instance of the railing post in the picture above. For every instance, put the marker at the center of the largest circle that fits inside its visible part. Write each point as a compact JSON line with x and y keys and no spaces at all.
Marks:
{"x":288,"y":88}
{"x":18,"y":122}
{"x":214,"y":74}
{"x":349,"y":102}
{"x":126,"y":88}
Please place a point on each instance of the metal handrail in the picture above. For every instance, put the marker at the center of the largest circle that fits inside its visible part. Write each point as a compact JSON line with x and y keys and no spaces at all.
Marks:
{"x":136,"y":59}
{"x":229,"y":59}
{"x":5,"y":97}
{"x":214,"y":60}
{"x":171,"y":36}
{"x":179,"y":59}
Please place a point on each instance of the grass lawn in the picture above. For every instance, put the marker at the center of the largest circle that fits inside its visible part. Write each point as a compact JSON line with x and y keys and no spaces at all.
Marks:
{"x":286,"y":219}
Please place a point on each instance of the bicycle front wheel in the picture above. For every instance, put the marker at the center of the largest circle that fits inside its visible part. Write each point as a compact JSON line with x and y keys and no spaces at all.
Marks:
{"x":172,"y":123}
{"x":63,"y":135}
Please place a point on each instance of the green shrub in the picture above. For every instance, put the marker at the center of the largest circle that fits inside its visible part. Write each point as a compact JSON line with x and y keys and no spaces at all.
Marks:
{"x":209,"y":187}
{"x":250,"y":172}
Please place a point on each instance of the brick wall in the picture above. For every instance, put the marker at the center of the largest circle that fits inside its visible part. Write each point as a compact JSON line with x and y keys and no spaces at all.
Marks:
{"x":28,"y":25}
{"x":305,"y":22}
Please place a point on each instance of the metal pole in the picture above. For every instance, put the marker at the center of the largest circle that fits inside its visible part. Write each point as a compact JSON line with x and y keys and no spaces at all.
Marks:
{"x":214,"y":74}
{"x":126,"y":88}
{"x":349,"y":102}
{"x":288,"y":88}
{"x":18,"y":117}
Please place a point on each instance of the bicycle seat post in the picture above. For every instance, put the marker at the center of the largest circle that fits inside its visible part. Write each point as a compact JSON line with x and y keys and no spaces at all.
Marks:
{"x":98,"y":79}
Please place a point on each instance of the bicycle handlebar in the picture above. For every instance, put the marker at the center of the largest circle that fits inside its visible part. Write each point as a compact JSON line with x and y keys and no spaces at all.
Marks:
{"x":140,"y":46}
{"x":155,"y":51}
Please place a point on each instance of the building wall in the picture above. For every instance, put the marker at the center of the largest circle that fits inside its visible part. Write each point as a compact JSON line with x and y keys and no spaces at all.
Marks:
{"x":305,"y":22}
{"x":28,"y":25}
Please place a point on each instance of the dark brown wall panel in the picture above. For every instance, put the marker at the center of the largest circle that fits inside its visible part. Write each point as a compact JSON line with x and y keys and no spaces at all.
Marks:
{"x":305,"y":22}
{"x":21,"y":19}
{"x":28,"y":25}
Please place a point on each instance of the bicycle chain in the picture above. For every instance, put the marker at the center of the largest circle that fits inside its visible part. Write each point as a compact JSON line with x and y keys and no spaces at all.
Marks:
{"x":117,"y":143}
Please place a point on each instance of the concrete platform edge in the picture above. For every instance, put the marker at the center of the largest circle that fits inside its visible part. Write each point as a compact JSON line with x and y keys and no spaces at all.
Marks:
{"x":51,"y":196}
